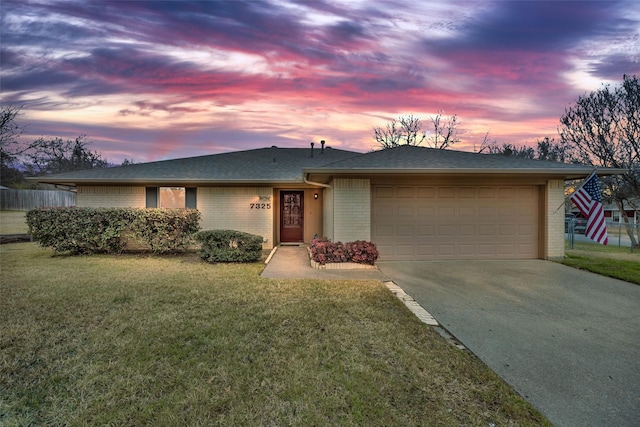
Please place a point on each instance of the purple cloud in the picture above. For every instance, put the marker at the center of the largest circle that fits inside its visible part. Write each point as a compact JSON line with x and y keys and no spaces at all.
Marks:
{"x":316,"y":65}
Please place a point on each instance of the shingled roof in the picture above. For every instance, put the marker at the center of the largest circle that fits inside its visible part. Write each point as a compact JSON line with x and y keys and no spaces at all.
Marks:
{"x":290,"y":166}
{"x":264,"y":165}
{"x":408,"y":159}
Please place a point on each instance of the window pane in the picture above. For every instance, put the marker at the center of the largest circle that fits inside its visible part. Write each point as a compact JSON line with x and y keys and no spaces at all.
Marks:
{"x":172,"y":197}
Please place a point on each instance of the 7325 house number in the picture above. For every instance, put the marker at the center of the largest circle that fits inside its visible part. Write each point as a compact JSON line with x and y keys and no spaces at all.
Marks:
{"x":259,"y":205}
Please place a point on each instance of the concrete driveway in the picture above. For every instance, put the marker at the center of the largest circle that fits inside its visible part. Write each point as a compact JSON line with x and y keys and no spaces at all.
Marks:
{"x":566,"y":340}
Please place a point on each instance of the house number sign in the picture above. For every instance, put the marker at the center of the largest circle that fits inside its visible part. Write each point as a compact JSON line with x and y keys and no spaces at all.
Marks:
{"x":259,"y":205}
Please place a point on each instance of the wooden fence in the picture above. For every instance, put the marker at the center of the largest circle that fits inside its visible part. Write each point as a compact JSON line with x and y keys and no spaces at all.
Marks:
{"x":23,"y":200}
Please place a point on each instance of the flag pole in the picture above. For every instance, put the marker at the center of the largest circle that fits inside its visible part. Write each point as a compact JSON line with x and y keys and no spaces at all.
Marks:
{"x":595,"y":169}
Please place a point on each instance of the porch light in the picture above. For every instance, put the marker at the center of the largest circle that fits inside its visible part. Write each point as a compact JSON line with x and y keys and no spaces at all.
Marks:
{"x":315,"y":196}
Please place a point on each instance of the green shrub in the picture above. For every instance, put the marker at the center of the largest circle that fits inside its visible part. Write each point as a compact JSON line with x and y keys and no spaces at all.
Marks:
{"x":79,"y":230}
{"x":101,"y":230}
{"x":166,"y":230}
{"x":229,"y":246}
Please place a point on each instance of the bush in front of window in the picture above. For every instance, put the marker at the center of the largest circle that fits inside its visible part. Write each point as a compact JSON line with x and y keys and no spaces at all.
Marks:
{"x":166,"y":230}
{"x":104,"y":230}
{"x":229,"y":246}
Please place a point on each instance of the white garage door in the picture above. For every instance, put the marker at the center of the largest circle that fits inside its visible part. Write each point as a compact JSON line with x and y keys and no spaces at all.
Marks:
{"x":413,"y":222}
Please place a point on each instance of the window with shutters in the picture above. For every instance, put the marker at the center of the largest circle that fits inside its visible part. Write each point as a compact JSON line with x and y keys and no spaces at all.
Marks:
{"x":171,"y":197}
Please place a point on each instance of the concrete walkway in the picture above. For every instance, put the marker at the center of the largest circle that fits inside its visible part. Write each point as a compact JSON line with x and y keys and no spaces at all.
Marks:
{"x":292,"y":262}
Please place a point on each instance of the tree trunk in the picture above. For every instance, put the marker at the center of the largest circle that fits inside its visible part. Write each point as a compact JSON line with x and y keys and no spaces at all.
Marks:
{"x":629,"y":225}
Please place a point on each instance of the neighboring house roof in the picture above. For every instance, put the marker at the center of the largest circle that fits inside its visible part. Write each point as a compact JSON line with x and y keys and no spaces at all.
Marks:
{"x":264,"y":165}
{"x":293,"y":165}
{"x":406,"y":159}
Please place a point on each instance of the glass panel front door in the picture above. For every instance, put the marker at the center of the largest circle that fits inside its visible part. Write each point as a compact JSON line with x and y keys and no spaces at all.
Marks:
{"x":291,"y":216}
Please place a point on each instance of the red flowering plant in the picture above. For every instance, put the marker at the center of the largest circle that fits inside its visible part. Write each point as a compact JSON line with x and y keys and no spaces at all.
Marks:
{"x":325,"y":251}
{"x":362,"y":252}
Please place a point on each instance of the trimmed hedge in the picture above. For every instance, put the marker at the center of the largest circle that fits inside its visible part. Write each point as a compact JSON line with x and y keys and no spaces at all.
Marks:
{"x":103,"y":230}
{"x":324,"y":251}
{"x":229,"y":246}
{"x":166,"y":230}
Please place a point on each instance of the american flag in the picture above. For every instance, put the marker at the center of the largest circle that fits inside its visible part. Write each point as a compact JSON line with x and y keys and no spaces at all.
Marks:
{"x":588,"y":199}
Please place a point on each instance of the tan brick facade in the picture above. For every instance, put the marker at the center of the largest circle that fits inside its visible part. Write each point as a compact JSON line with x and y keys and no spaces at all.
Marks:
{"x":231,"y":208}
{"x":351,"y":209}
{"x":110,"y":197}
{"x":346,"y":210}
{"x":554,"y":232}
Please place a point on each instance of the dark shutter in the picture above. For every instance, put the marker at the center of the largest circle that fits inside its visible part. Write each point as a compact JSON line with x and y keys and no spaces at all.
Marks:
{"x":152,"y":197}
{"x":191,"y":198}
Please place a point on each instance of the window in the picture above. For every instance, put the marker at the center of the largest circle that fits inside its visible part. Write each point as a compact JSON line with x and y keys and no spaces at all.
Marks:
{"x":616,"y":216}
{"x":171,"y":197}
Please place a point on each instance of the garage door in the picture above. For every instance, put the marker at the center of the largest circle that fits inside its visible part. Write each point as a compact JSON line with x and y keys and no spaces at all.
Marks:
{"x":413,"y":222}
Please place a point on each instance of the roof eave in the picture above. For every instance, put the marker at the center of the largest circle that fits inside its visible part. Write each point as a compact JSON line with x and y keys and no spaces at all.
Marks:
{"x":163,"y":181}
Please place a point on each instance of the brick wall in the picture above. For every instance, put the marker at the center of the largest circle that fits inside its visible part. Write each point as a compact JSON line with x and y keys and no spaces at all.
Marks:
{"x":555,"y":219}
{"x":351,"y":209}
{"x":110,"y":197}
{"x":229,"y":208}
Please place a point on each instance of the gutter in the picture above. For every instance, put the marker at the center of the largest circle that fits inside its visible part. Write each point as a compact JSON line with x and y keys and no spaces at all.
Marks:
{"x":69,"y":188}
{"x":567,"y":173}
{"x":319,"y":184}
{"x":156,"y":181}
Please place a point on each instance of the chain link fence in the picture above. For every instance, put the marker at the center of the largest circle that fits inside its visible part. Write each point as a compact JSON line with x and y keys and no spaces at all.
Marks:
{"x":574,"y":229}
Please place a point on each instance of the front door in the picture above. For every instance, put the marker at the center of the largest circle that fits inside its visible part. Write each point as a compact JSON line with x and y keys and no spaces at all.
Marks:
{"x":291,"y":216}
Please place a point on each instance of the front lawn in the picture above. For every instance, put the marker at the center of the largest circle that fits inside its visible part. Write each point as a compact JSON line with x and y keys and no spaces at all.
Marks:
{"x":145,"y":340}
{"x":611,"y":260}
{"x":13,"y":222}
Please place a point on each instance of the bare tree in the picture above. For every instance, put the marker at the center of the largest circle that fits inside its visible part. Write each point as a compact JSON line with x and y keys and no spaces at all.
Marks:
{"x":46,"y":155}
{"x":10,"y":147}
{"x":444,"y":131}
{"x":603,"y":129}
{"x":545,"y":149}
{"x":10,"y":130}
{"x":55,"y":155}
{"x":408,"y":130}
{"x":507,"y":149}
{"x":549,"y":149}
{"x":485,"y":144}
{"x":405,"y":130}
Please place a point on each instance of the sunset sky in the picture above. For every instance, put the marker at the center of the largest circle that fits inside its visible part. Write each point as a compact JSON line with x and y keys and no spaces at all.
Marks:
{"x":151,"y":80}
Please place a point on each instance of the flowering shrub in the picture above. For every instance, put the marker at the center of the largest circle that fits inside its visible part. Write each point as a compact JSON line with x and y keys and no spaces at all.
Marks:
{"x":324,"y":251}
{"x":362,"y":252}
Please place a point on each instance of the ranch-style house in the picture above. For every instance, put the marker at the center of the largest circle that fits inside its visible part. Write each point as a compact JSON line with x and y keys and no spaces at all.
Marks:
{"x":414,"y":203}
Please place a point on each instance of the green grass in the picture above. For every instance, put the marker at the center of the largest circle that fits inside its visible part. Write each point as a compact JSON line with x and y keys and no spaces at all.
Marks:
{"x":144,"y":340}
{"x":611,"y":261}
{"x":13,"y":222}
